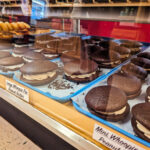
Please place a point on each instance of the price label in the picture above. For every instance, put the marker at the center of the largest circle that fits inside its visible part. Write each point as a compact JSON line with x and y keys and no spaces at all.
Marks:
{"x":17,"y":90}
{"x":112,"y":140}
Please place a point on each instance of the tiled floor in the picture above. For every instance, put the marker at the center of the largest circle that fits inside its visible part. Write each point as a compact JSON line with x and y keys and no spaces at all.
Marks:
{"x":12,"y":139}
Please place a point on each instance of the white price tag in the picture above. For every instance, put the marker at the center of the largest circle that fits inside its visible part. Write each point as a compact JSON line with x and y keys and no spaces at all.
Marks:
{"x":112,"y":140}
{"x":17,"y":90}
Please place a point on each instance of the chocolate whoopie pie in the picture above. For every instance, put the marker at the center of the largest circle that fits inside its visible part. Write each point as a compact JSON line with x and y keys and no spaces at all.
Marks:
{"x":142,"y":62}
{"x":144,"y":55}
{"x":5,"y":46}
{"x":81,"y":71}
{"x":133,"y":45}
{"x":132,"y":69}
{"x":123,"y":51}
{"x":147,"y":97}
{"x":131,"y":85}
{"x":39,"y":72}
{"x":107,"y":102}
{"x":4,"y":54}
{"x":141,"y":120}
{"x":106,"y":59}
{"x":108,"y":45}
{"x":20,"y":51}
{"x":11,"y":63}
{"x":33,"y":56}
{"x":33,"y":48}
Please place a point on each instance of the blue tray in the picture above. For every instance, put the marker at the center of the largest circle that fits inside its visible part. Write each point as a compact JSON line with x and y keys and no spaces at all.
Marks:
{"x":125,"y":127}
{"x":65,"y":94}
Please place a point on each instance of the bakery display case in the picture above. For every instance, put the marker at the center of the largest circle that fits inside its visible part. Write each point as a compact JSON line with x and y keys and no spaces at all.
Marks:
{"x":79,"y":68}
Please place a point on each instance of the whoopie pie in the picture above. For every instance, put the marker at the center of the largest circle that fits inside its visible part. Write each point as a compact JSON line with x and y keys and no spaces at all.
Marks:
{"x":107,"y":102}
{"x":39,"y":72}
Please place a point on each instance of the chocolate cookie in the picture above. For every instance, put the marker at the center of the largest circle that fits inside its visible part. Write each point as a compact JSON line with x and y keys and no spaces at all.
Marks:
{"x":133,"y":45}
{"x":20,"y":51}
{"x":144,"y":55}
{"x":107,"y":102}
{"x":108,"y":45}
{"x":11,"y":63}
{"x":132,"y":69}
{"x":106,"y":59}
{"x":142,"y":62}
{"x":141,"y":120}
{"x":4,"y":46}
{"x":39,"y":72}
{"x":4,"y":54}
{"x":123,"y":51}
{"x":33,"y":56}
{"x":81,"y":71}
{"x":131,"y":85}
{"x":147,"y":97}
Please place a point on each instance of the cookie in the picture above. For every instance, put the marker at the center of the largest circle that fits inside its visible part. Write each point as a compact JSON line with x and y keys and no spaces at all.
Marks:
{"x":123,"y":51}
{"x":39,"y":72}
{"x":144,"y":55}
{"x":81,"y":70}
{"x":33,"y":48}
{"x":142,"y":62}
{"x":132,"y":69}
{"x":4,"y":54}
{"x":106,"y":59}
{"x":11,"y":63}
{"x":20,"y":51}
{"x":109,"y":45}
{"x":134,"y":46}
{"x":5,"y":46}
{"x":107,"y":102}
{"x":33,"y":56}
{"x":141,"y":120}
{"x":147,"y":97}
{"x":131,"y":85}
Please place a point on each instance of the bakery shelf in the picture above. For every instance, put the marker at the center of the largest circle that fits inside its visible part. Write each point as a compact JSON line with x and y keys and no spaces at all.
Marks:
{"x":137,"y":4}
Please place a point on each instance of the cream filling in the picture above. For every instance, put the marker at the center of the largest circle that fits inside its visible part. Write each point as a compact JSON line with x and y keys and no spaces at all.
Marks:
{"x":118,"y":112}
{"x":42,"y":42}
{"x":148,"y":98}
{"x":41,"y":76}
{"x":17,"y":55}
{"x":81,"y":76}
{"x":37,"y":50}
{"x":50,"y":55}
{"x":143,"y":129}
{"x":14,"y":66}
{"x":27,"y":60}
{"x":124,"y":56}
{"x":112,"y":63}
{"x":22,"y":45}
{"x":135,"y":49}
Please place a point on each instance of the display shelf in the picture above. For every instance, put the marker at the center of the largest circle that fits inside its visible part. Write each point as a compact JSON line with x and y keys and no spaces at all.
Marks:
{"x":62,"y":119}
{"x":137,"y":4}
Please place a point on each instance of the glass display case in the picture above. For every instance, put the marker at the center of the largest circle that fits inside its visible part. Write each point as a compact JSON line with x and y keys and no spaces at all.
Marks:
{"x":84,"y":64}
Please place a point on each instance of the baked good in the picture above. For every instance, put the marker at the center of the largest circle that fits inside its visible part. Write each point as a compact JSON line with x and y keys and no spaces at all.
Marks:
{"x":4,"y":54}
{"x":109,"y":45}
{"x":10,"y":28}
{"x":142,"y":62}
{"x":21,"y":42}
{"x":144,"y":55}
{"x":131,"y":85}
{"x":141,"y":120}
{"x":107,"y":102}
{"x":49,"y":55}
{"x":15,"y":26}
{"x":32,"y":56}
{"x":81,"y":71}
{"x":147,"y":97}
{"x":11,"y":63}
{"x":132,"y":69}
{"x":20,"y":51}
{"x":106,"y":59}
{"x":5,"y":46}
{"x":123,"y":51}
{"x":39,"y":72}
{"x":70,"y":56}
{"x":133,"y":45}
{"x":4,"y":27}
